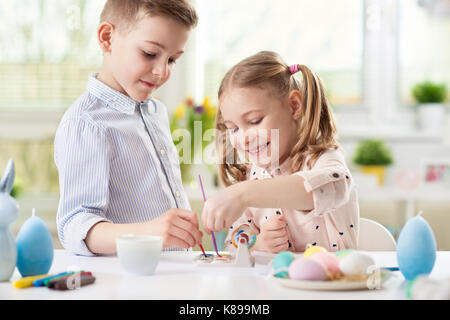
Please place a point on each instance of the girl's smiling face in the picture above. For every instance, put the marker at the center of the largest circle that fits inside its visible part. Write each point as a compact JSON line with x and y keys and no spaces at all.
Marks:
{"x":260,"y":124}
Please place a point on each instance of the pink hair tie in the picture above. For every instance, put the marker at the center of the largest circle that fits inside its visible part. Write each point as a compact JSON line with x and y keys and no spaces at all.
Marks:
{"x":293,"y":68}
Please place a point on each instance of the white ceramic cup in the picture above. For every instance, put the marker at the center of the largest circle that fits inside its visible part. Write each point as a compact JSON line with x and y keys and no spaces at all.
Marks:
{"x":139,"y":254}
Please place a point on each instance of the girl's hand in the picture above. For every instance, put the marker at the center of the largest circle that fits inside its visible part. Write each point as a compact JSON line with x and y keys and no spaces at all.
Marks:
{"x":273,"y":235}
{"x":225,"y":207}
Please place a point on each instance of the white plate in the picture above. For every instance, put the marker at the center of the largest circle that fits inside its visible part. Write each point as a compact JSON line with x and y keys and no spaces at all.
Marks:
{"x":329,"y":285}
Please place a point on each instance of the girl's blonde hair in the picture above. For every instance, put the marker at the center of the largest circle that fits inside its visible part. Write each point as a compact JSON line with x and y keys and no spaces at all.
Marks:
{"x":316,"y":126}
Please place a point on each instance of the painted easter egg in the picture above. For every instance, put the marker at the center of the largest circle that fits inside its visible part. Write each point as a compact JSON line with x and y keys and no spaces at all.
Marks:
{"x":355,"y":263}
{"x":245,"y":231}
{"x":416,"y":248}
{"x":312,"y":250}
{"x":307,"y":269}
{"x":282,"y":261}
{"x":34,"y":248}
{"x":330,"y":262}
{"x":342,"y":253}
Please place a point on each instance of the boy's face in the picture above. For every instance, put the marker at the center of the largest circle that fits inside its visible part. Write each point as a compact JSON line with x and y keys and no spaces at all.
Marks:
{"x":142,"y":60}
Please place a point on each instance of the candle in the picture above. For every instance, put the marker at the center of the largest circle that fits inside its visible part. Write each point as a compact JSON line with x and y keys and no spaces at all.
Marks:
{"x":416,"y":248}
{"x":34,"y":247}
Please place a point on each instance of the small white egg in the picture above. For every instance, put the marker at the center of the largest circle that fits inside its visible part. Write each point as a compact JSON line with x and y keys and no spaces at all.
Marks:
{"x":355,"y":263}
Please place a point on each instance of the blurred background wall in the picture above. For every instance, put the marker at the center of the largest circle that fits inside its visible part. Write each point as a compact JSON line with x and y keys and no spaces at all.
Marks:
{"x":370,"y":54}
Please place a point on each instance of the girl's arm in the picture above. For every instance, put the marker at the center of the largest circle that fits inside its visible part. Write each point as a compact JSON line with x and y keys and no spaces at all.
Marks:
{"x":222,"y":209}
{"x":280,"y":192}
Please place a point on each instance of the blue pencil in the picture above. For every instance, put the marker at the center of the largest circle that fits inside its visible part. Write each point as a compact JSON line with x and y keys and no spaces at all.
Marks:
{"x":41,"y":282}
{"x":391,"y":268}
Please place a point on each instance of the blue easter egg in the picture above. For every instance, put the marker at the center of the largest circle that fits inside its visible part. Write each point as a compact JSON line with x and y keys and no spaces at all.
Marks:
{"x":34,"y":248}
{"x":283,"y":260}
{"x":416,"y":248}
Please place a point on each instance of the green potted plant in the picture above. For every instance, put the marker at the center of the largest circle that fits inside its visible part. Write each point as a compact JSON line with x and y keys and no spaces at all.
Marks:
{"x":430,"y":97}
{"x":373,"y":156}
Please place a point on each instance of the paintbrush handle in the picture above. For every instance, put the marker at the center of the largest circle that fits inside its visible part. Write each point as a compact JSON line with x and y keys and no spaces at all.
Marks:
{"x":204,"y":200}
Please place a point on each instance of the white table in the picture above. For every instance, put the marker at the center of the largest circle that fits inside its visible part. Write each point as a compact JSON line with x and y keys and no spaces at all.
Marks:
{"x":177,"y":277}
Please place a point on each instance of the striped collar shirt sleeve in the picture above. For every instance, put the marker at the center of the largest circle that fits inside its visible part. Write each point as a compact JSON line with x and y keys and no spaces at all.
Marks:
{"x":116,"y":162}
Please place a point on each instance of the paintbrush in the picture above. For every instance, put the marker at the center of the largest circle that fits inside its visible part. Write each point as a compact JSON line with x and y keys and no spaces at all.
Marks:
{"x":204,"y":200}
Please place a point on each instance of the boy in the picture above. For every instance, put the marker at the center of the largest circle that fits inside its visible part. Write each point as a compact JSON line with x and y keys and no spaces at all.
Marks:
{"x":118,"y":167}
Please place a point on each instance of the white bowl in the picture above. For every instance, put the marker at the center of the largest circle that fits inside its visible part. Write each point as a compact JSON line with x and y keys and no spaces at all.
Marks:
{"x":139,"y":254}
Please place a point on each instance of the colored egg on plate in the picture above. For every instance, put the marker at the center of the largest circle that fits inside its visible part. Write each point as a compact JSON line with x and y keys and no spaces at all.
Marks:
{"x":282,"y":261}
{"x":342,"y":253}
{"x":356,"y":263}
{"x":312,"y":250}
{"x":307,"y":269}
{"x":330,"y":262}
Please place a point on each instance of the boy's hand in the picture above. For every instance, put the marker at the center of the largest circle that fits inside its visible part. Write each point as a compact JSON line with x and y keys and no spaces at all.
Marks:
{"x":222,"y":209}
{"x":177,"y":228}
{"x":273,"y":235}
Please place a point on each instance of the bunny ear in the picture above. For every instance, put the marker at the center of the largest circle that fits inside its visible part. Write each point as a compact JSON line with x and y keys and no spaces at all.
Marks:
{"x":7,"y":181}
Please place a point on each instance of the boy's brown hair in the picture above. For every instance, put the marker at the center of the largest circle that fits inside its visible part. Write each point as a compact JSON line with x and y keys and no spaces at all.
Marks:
{"x":124,"y":14}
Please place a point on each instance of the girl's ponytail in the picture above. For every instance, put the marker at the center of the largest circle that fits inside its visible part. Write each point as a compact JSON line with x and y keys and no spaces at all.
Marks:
{"x":317,"y":128}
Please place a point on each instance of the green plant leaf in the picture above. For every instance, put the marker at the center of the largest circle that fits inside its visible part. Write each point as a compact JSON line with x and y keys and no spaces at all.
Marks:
{"x":372,"y":152}
{"x":429,"y":92}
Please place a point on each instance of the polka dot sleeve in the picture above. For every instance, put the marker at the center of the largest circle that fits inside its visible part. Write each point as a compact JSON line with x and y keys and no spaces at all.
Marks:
{"x":330,"y":187}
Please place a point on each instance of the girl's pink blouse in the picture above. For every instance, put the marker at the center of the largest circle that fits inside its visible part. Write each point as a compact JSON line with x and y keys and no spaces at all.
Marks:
{"x":334,"y":221}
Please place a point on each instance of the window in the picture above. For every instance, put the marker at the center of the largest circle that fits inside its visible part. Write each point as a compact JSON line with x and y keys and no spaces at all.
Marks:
{"x":424,"y":44}
{"x":48,"y":49}
{"x":327,"y":36}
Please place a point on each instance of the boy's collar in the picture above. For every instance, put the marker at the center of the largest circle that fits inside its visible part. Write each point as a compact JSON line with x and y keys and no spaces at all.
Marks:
{"x":113,"y":98}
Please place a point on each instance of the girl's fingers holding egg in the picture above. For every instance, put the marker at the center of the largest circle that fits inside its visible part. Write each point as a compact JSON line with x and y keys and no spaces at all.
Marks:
{"x":282,"y":247}
{"x":279,"y":244}
{"x":275,"y":227}
{"x":274,"y":223}
{"x":280,"y":240}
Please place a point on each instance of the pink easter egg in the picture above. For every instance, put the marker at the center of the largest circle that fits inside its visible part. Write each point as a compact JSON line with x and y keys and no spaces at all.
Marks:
{"x":306,"y":269}
{"x":330,"y":262}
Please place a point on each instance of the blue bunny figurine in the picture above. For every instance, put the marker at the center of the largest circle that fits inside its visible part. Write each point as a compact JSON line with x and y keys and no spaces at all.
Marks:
{"x":9,"y":212}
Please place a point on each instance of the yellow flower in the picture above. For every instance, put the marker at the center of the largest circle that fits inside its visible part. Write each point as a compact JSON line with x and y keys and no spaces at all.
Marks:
{"x":179,"y":111}
{"x":206,"y":103}
{"x":211,"y":111}
{"x":209,"y":108}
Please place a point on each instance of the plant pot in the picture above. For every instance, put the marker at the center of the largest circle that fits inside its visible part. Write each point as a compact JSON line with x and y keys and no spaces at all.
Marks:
{"x":379,"y":171}
{"x":430,"y":117}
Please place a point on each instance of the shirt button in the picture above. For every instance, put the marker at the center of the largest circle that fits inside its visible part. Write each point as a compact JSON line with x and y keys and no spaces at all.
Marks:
{"x":162,"y":152}
{"x":177,"y":194}
{"x":336,"y":175}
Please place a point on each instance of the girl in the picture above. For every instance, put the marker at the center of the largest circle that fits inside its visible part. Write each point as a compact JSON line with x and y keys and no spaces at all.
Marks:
{"x":295,"y":188}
